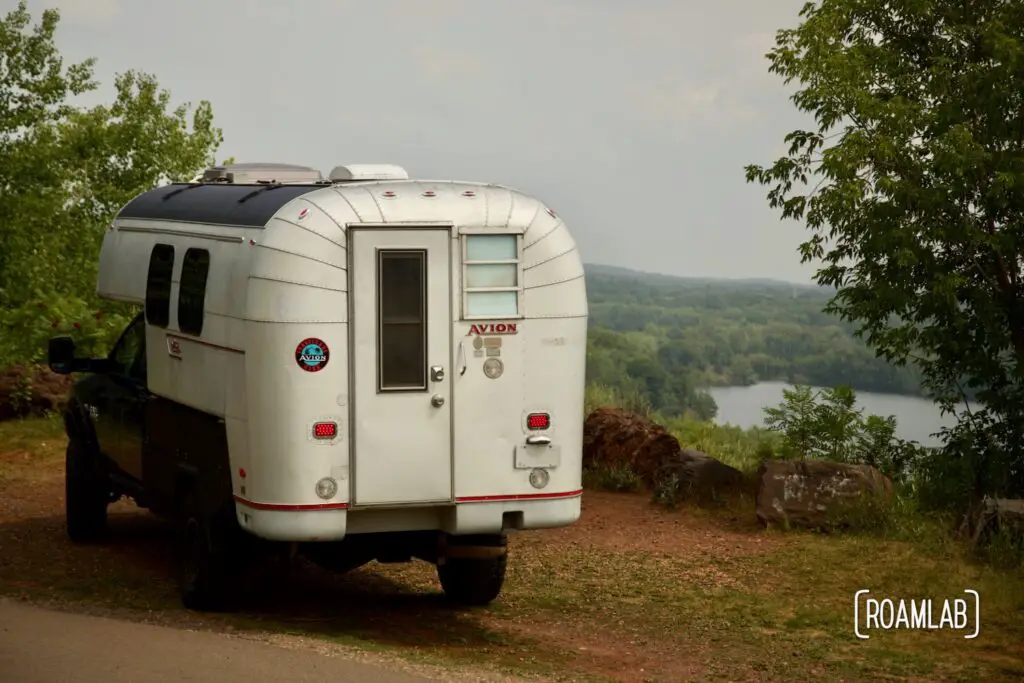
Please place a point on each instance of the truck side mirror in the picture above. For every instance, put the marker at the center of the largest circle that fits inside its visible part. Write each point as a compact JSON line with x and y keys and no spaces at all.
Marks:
{"x":61,"y":355}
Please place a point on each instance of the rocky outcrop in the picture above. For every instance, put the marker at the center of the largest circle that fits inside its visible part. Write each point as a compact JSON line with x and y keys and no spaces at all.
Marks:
{"x":806,"y":493}
{"x":620,"y":439}
{"x":692,"y":475}
{"x":29,"y":391}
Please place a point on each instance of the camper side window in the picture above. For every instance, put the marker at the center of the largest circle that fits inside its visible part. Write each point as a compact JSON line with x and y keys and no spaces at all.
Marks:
{"x":158,"y":285}
{"x":195,"y":268}
{"x":490,"y":276}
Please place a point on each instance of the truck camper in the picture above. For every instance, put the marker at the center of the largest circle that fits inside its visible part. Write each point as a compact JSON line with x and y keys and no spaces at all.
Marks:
{"x":359,"y":367}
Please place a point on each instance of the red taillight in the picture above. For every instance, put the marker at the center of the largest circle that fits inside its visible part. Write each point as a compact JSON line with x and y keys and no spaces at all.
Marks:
{"x":325,"y":430}
{"x":537,"y":421}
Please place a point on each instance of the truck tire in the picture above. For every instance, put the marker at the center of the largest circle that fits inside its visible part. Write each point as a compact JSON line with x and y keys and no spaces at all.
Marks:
{"x":86,"y":494}
{"x":473,"y":581}
{"x":206,"y":580}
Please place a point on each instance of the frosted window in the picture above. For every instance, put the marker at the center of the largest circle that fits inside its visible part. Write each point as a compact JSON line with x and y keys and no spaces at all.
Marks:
{"x":491,"y":248}
{"x":494,"y":304}
{"x":492,"y":264}
{"x":491,"y":275}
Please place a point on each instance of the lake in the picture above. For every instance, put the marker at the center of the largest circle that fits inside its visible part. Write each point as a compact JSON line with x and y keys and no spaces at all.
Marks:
{"x":916,"y":418}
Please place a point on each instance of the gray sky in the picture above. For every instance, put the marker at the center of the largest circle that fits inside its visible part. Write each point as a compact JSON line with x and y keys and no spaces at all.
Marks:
{"x":632,"y":119}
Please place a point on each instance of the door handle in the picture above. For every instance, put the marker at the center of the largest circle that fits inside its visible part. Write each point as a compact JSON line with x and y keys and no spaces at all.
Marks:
{"x":462,"y":359}
{"x":437,"y":400}
{"x":436,"y":373}
{"x":538,"y":441}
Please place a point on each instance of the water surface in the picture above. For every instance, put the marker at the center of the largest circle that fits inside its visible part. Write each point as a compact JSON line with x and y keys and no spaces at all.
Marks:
{"x":916,"y":418}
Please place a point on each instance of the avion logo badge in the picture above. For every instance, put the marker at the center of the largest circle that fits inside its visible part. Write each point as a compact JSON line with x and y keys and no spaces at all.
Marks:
{"x":492,"y":328}
{"x":312,"y":354}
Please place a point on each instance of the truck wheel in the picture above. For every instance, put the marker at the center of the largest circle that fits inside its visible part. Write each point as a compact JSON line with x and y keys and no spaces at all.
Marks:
{"x":86,"y":494}
{"x":206,"y":580}
{"x":472,"y":581}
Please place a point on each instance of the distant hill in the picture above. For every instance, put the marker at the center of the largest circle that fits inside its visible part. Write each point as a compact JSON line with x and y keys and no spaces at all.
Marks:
{"x":660,"y":279}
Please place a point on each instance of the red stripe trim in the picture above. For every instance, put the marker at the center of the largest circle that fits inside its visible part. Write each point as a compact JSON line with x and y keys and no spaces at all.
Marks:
{"x":281,"y":507}
{"x":200,"y":342}
{"x":518,"y":496}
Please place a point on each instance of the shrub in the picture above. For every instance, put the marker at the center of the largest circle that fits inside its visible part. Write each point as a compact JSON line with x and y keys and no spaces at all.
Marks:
{"x":827,"y":425}
{"x":616,"y":479}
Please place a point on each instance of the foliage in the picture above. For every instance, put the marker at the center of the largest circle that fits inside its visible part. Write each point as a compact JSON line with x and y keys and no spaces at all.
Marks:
{"x":1002,"y":548}
{"x":615,"y":479}
{"x":744,"y":449}
{"x":917,"y":155}
{"x":827,"y":425}
{"x":600,"y":395}
{"x":668,"y":337}
{"x":901,"y":518}
{"x":66,"y":171}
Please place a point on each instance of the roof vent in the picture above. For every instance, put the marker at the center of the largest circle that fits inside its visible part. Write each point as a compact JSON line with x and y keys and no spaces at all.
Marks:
{"x":356,"y":172}
{"x":260,"y":173}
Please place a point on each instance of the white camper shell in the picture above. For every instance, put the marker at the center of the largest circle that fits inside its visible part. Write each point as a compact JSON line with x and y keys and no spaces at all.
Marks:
{"x":393,"y":364}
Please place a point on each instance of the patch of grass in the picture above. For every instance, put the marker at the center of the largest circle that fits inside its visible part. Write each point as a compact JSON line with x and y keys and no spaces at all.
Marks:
{"x":1003,"y":548}
{"x":28,"y":445}
{"x":611,"y":478}
{"x":743,"y":449}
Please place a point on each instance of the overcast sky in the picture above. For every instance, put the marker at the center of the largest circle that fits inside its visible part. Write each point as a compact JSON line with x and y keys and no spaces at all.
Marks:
{"x":632,"y":119}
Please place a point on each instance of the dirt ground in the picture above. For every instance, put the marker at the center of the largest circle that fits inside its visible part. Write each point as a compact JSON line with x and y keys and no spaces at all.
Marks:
{"x":131,"y":575}
{"x":631,"y":593}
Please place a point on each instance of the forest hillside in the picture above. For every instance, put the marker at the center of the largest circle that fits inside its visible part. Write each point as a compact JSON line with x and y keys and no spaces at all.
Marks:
{"x":665,"y":338}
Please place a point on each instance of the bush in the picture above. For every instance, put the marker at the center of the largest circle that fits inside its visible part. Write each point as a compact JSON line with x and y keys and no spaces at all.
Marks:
{"x":901,"y":518}
{"x":826,"y":425}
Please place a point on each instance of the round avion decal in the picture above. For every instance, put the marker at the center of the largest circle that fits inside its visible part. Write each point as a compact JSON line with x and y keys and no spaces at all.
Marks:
{"x":312,"y":354}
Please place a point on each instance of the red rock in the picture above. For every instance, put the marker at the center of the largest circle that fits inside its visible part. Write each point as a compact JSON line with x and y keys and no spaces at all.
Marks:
{"x":619,"y":438}
{"x":804,"y":493}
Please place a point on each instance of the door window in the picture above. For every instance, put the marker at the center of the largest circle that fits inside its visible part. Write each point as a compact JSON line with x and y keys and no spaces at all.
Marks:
{"x":402,"y":320}
{"x":490,"y":276}
{"x":129,"y":353}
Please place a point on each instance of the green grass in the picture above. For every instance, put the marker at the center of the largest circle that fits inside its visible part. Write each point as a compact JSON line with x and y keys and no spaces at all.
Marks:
{"x":741,"y":448}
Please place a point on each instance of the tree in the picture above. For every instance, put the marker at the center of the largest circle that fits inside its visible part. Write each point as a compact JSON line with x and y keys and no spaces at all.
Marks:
{"x":65,"y":172}
{"x":917,"y":208}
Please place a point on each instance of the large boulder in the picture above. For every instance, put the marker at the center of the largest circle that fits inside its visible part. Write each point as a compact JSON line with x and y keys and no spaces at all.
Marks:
{"x":620,"y":439}
{"x":692,"y":475}
{"x":29,"y":391}
{"x":807,"y":493}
